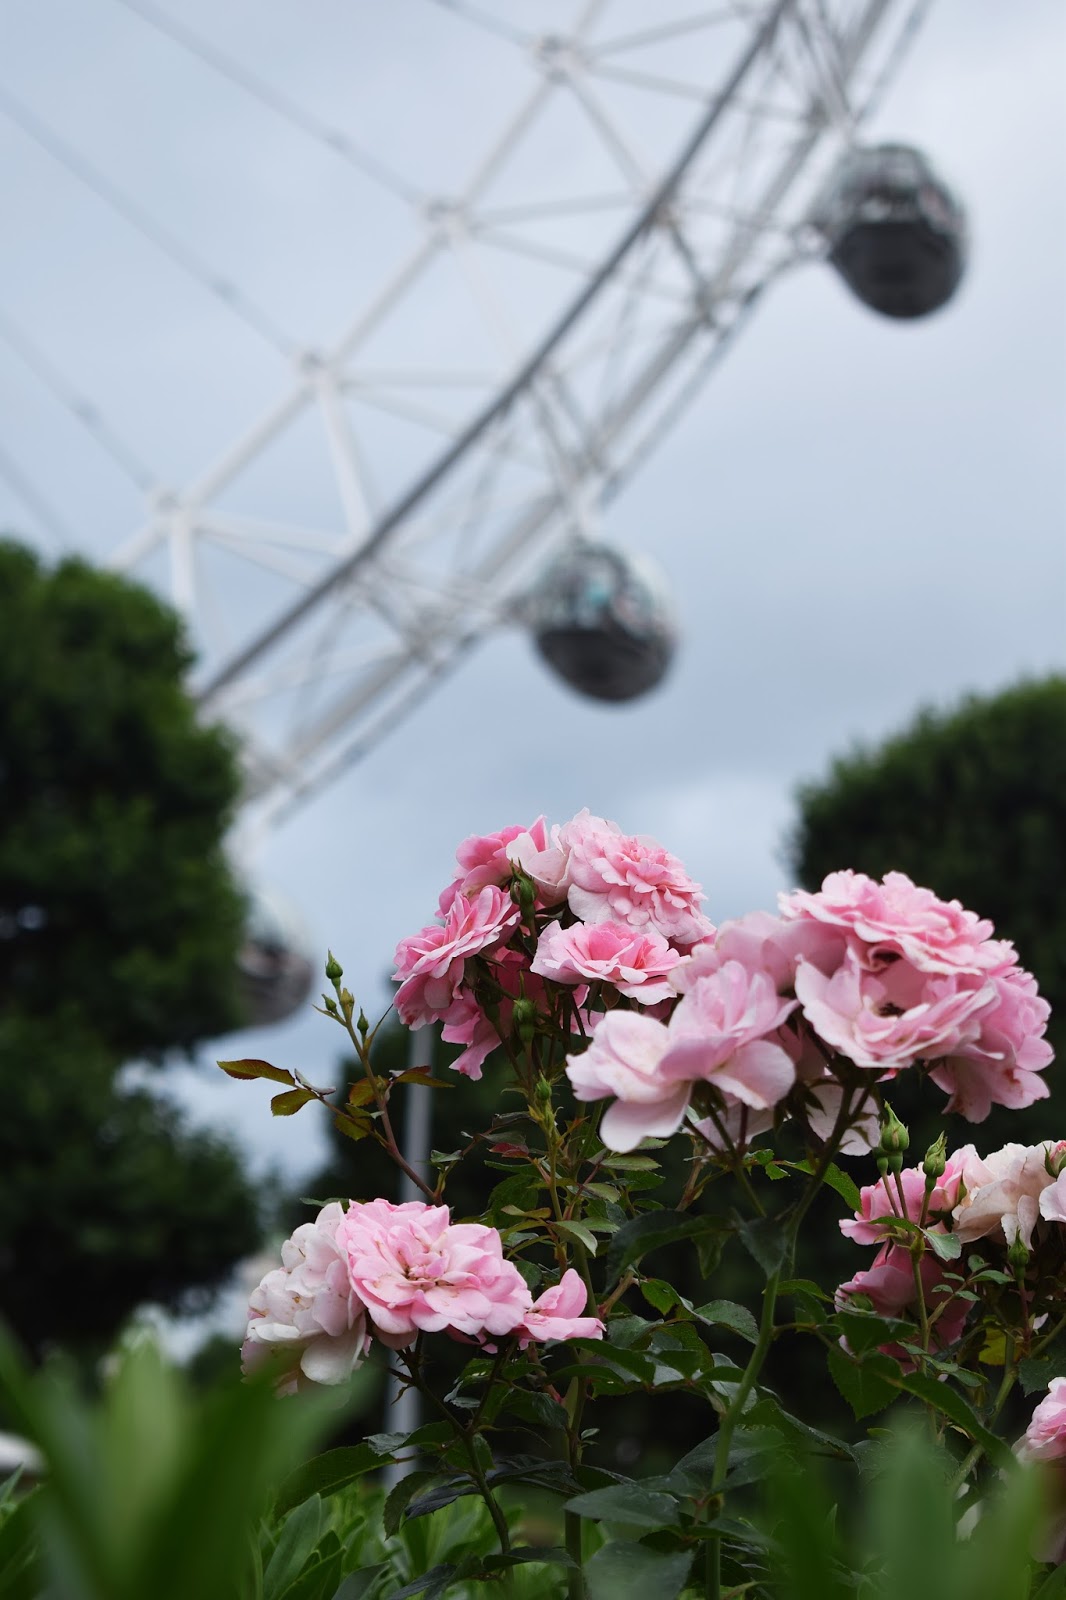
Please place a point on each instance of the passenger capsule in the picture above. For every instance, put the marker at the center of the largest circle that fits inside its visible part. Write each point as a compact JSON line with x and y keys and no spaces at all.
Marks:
{"x":895,"y":232}
{"x":275,"y":968}
{"x":601,"y":618}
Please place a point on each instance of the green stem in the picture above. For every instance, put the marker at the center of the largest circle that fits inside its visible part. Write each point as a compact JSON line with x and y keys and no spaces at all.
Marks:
{"x":1007,"y":1384}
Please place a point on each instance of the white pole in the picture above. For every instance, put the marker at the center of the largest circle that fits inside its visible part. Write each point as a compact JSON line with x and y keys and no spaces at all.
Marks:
{"x":402,"y":1407}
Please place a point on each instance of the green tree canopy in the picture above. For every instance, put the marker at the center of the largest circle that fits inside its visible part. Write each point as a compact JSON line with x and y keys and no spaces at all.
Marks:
{"x":115,"y":898}
{"x":119,"y":929}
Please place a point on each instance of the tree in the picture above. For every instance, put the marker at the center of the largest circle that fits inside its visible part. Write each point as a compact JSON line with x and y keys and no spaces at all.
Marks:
{"x":970,"y":802}
{"x":119,"y":928}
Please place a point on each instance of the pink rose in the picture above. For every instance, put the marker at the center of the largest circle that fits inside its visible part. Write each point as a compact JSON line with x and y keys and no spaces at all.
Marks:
{"x":891,"y":1017}
{"x":430,"y":964}
{"x":414,"y":1269}
{"x":720,"y":1032}
{"x":466,"y":1024}
{"x":882,"y":1199}
{"x":623,"y":1059}
{"x":308,"y":1309}
{"x":1045,"y":1437}
{"x":999,"y":1066}
{"x":762,"y":943}
{"x":617,"y":877}
{"x":896,"y":917}
{"x":635,"y":961}
{"x":1004,"y":1193}
{"x":558,"y":1314}
{"x":889,"y":1285}
{"x":485,"y":859}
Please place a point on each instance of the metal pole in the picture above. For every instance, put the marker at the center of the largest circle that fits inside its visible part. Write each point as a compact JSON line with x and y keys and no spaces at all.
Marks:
{"x":402,"y":1405}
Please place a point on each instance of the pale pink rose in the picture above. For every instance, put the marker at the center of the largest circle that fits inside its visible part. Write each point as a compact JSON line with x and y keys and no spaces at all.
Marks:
{"x":559,"y":1314}
{"x":896,"y":917}
{"x":1000,"y":1065}
{"x":889,"y":1018}
{"x":1004,"y":1192}
{"x":1045,"y":1437}
{"x":415,"y":1270}
{"x":890,"y":1287}
{"x":466,"y":1024}
{"x":762,"y":943}
{"x":721,"y":1032}
{"x":1053,"y":1198}
{"x":882,"y":1199}
{"x":485,"y":859}
{"x":430,"y":964}
{"x":617,"y":877}
{"x":623,"y":1059}
{"x":308,"y":1309}
{"x":635,"y":961}
{"x":976,"y":1085}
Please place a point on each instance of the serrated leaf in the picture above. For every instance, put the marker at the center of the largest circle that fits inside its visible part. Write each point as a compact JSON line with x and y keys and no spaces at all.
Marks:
{"x":950,"y":1403}
{"x":256,"y":1069}
{"x":397,"y":1500}
{"x":431,"y":1585}
{"x":579,"y":1231}
{"x":354,"y":1128}
{"x":325,"y":1474}
{"x":836,"y":1178}
{"x":288,"y":1103}
{"x":945,"y":1245}
{"x":863,"y":1384}
{"x":727,"y":1314}
{"x":651,"y":1231}
{"x":633,"y":1572}
{"x":765,"y":1240}
{"x":631,"y":1504}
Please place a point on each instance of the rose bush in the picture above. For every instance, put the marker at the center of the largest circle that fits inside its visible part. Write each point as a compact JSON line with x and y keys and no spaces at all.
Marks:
{"x":575,"y":962}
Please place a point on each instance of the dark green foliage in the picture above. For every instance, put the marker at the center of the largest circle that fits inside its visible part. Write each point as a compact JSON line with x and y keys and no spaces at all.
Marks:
{"x":115,"y":898}
{"x":119,"y":928}
{"x":108,"y":1199}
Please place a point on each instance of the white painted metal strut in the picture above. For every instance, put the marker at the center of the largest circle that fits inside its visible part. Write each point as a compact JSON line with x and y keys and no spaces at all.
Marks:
{"x":349,"y":624}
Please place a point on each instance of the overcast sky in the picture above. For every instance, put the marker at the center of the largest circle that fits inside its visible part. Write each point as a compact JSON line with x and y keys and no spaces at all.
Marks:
{"x":858,"y":517}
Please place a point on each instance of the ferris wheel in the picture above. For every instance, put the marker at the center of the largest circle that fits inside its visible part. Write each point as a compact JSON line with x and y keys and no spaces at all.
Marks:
{"x":539,"y":325}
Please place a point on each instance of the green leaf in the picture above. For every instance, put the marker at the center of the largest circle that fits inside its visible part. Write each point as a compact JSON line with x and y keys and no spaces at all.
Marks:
{"x":865,"y":1329}
{"x":945,"y":1245}
{"x":836,"y":1178}
{"x":864,"y":1385}
{"x":300,"y":1533}
{"x":649,"y":1232}
{"x":629,"y":1163}
{"x":287,"y":1104}
{"x":397,"y":1501}
{"x":327,"y":1473}
{"x":354,"y":1128}
{"x":256,"y":1069}
{"x":633,"y":1572}
{"x":631,"y":1504}
{"x":548,"y":1555}
{"x":950,"y":1403}
{"x":660,"y":1294}
{"x":727,"y":1314}
{"x":579,"y":1231}
{"x":765,"y":1239}
{"x":431,"y":1585}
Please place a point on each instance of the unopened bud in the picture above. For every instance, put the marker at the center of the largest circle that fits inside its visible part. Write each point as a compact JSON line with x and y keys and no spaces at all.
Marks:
{"x":363,"y":1025}
{"x":330,"y":1005}
{"x":1018,"y":1254}
{"x":1055,"y":1158}
{"x":334,"y":970}
{"x":524,"y":1019}
{"x":543,"y":1092}
{"x":935,"y":1161}
{"x":894,"y":1139}
{"x":523,"y":892}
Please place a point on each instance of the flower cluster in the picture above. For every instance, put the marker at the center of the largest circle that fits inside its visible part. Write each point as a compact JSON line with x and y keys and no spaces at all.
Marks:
{"x":1014,"y":1197}
{"x":877,"y":976}
{"x":393,"y":1272}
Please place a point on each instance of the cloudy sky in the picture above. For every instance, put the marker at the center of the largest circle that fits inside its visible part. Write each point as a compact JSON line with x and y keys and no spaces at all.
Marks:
{"x":858,"y":517}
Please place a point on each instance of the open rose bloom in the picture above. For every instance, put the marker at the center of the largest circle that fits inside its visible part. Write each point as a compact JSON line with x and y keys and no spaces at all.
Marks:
{"x":375,"y":1270}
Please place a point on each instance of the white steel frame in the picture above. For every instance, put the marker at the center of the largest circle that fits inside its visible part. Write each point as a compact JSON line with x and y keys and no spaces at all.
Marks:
{"x":361,"y":621}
